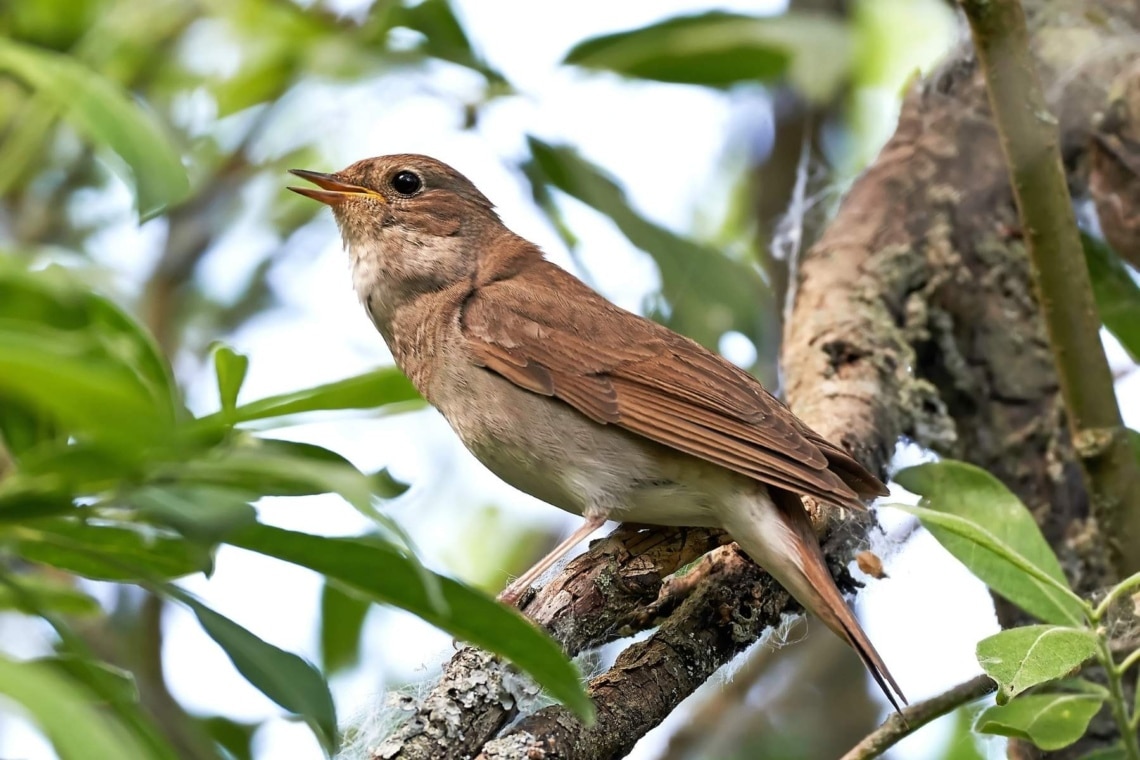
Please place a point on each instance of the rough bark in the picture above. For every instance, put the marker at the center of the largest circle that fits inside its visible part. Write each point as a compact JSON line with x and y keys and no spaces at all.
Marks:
{"x":914,"y":317}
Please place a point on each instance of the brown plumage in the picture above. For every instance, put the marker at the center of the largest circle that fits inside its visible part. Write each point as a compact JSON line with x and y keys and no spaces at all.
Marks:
{"x":583,"y":404}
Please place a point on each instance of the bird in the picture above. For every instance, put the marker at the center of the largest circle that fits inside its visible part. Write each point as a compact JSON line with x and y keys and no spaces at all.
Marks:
{"x":578,"y":402}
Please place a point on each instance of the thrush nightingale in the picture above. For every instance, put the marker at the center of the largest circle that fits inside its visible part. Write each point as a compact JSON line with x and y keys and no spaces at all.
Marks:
{"x":580,"y":403}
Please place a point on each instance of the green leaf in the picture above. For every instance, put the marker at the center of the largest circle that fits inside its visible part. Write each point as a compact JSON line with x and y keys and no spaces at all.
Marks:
{"x":385,"y":485}
{"x":21,"y":500}
{"x":963,"y":743}
{"x":103,"y":680}
{"x":721,"y":49}
{"x":235,"y":737}
{"x":202,"y":512}
{"x":368,"y":391}
{"x":106,"y":552}
{"x":269,"y":467}
{"x":693,"y":276}
{"x":57,"y":304}
{"x":1020,"y":658}
{"x":114,"y":684}
{"x":49,"y":592}
{"x":64,"y":712}
{"x":1115,"y":752}
{"x":384,"y":575}
{"x":444,"y":37}
{"x":1051,"y":721}
{"x":99,"y":108}
{"x":59,"y":374}
{"x":62,"y":298}
{"x":282,"y":676}
{"x":1117,"y":294}
{"x":342,"y":621}
{"x":230,"y":368}
{"x":986,"y":527}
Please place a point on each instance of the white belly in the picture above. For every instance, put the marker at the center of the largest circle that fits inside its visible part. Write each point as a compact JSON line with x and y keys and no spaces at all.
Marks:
{"x":545,"y":448}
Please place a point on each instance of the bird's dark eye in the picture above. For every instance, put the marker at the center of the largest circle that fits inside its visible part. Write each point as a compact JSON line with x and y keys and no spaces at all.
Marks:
{"x":407,"y":183}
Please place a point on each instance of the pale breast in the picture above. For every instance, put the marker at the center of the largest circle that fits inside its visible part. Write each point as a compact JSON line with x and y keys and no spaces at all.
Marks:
{"x":543,"y":447}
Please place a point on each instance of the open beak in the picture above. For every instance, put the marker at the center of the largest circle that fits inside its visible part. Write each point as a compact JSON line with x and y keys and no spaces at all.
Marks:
{"x":333,"y":191}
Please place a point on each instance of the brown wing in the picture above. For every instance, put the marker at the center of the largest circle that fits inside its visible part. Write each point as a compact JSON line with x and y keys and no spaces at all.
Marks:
{"x":647,"y":379}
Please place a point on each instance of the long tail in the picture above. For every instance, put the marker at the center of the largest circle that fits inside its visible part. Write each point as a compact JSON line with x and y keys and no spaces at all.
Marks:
{"x":776,"y":532}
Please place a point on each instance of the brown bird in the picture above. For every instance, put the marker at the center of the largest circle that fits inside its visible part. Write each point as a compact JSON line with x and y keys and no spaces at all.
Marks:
{"x":580,"y":403}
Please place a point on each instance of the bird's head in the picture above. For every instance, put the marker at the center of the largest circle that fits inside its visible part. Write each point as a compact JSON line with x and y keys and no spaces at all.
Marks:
{"x":411,"y":223}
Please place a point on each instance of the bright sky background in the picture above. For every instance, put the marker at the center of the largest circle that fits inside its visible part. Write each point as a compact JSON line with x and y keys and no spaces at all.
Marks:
{"x":667,"y":144}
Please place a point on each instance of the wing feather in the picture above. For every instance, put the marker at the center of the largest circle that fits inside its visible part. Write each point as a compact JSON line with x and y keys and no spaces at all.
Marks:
{"x":545,"y":331}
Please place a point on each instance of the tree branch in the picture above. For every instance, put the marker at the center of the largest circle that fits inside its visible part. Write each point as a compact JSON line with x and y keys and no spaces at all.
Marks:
{"x":601,"y":595}
{"x":722,"y":617}
{"x":1029,"y":140}
{"x":897,"y":727}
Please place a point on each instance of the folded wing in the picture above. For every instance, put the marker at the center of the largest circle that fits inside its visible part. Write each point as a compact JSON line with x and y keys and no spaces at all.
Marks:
{"x":651,"y":381}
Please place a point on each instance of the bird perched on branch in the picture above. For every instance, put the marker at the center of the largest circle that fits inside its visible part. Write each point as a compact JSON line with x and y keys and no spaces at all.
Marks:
{"x":573,"y":400}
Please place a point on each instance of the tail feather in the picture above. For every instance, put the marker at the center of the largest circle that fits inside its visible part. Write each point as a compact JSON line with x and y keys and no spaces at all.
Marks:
{"x":777,"y":533}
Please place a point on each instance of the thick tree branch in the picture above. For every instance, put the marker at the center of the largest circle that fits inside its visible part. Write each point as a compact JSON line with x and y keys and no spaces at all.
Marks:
{"x":604,"y":594}
{"x":897,"y":727}
{"x":722,"y":616}
{"x":1029,"y":139}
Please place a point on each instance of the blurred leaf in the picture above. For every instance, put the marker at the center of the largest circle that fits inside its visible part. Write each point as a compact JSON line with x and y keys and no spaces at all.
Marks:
{"x":19,"y":503}
{"x":92,"y":330}
{"x":368,"y":391}
{"x":273,"y":467}
{"x":56,"y":24}
{"x":1117,"y":294}
{"x":49,"y":592}
{"x":77,"y":658}
{"x":114,"y":684}
{"x":708,"y":293}
{"x":74,"y":468}
{"x":55,"y":373}
{"x":84,"y":329}
{"x":384,"y":575}
{"x":282,"y":676}
{"x":202,"y":512}
{"x":283,"y":468}
{"x":1051,"y":721}
{"x":64,"y":712}
{"x":988,"y":529}
{"x":963,"y":744}
{"x":721,"y":49}
{"x":1020,"y":658}
{"x":63,"y":298}
{"x":1115,"y":752}
{"x":230,"y":368}
{"x":106,"y":113}
{"x":385,"y":486}
{"x":342,"y":621}
{"x":235,"y":737}
{"x":106,"y":552}
{"x":444,"y":37}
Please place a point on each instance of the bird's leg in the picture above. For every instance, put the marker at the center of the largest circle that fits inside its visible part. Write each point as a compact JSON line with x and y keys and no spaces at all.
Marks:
{"x":515,"y":590}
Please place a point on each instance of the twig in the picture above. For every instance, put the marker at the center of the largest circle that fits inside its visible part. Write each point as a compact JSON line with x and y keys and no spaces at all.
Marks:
{"x":1029,"y":139}
{"x":897,"y":727}
{"x":1117,"y":703}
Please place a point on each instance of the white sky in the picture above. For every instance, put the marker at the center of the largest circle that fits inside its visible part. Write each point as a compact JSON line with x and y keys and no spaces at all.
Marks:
{"x":666,"y":143}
